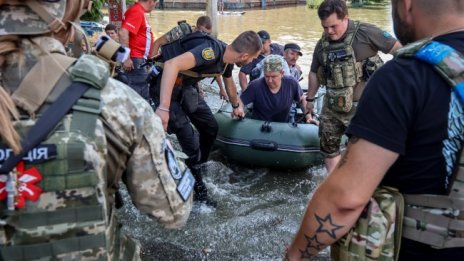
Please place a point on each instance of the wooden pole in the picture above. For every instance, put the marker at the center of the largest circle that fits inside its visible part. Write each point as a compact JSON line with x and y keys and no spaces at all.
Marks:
{"x":212,"y":12}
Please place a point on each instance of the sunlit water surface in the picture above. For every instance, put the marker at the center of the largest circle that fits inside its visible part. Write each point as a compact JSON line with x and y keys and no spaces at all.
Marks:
{"x":259,"y":210}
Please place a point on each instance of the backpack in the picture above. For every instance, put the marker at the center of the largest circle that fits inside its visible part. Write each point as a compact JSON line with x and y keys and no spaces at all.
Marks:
{"x":60,"y":208}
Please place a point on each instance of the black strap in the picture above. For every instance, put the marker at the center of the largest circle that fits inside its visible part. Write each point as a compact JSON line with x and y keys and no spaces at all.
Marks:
{"x":46,"y":123}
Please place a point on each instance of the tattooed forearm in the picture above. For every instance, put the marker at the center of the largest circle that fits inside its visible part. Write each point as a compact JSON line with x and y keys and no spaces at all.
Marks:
{"x":326,"y":226}
{"x":344,"y":158}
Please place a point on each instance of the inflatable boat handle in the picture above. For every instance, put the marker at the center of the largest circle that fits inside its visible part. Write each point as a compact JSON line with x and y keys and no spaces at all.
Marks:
{"x":266,"y":145}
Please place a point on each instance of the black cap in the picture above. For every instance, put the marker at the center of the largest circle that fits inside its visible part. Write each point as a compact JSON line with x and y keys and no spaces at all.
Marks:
{"x":295,"y":47}
{"x":264,"y":35}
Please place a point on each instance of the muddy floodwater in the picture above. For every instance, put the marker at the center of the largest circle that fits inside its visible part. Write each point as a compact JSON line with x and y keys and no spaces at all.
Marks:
{"x":259,"y":209}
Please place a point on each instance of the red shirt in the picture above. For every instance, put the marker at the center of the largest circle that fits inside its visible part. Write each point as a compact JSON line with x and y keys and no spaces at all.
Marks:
{"x":140,"y":34}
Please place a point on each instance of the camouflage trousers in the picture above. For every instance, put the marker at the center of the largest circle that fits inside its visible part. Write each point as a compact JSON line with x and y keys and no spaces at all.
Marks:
{"x":331,"y":129}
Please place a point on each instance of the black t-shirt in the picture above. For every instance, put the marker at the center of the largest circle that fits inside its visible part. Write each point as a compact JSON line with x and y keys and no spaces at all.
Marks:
{"x":208,"y":55}
{"x":405,"y":108}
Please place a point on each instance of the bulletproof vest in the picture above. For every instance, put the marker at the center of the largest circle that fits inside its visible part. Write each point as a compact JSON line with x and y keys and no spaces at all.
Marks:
{"x":188,"y":42}
{"x":62,"y":209}
{"x":340,"y":68}
{"x":438,"y":220}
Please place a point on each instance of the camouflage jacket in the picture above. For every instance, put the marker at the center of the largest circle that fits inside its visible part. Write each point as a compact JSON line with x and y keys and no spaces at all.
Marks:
{"x":134,"y":137}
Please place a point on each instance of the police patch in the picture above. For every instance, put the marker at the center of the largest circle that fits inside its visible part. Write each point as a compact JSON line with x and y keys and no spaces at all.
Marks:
{"x":386,"y":34}
{"x":171,"y":160}
{"x":208,"y":53}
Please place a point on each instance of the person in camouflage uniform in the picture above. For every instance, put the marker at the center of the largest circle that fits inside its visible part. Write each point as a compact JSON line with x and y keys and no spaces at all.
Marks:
{"x":338,"y":63}
{"x":76,"y":220}
{"x":407,"y":133}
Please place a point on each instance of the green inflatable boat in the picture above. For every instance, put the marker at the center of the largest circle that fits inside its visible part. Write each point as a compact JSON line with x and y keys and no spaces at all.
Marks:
{"x":267,"y":144}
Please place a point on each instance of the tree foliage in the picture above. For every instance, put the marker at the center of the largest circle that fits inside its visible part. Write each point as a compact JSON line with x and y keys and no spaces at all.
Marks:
{"x":95,"y":14}
{"x":313,"y":4}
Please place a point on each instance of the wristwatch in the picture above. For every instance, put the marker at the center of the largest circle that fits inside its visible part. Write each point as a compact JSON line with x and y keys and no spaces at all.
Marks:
{"x":235,"y":106}
{"x":310,"y":99}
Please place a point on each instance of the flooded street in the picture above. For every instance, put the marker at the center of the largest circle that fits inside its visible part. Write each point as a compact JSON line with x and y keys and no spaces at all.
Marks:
{"x":257,"y":214}
{"x":296,"y":24}
{"x":259,"y":209}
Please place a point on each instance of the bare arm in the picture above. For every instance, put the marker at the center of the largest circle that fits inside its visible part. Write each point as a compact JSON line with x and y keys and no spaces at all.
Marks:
{"x":157,"y":45}
{"x":243,"y":80}
{"x":339,"y":200}
{"x":222,"y":92}
{"x":307,"y":113}
{"x":124,"y":37}
{"x":313,"y":86}
{"x":127,"y":65}
{"x":231,"y":89}
{"x":171,"y":69}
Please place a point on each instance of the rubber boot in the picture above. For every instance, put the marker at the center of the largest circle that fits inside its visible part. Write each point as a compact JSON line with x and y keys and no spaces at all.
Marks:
{"x":201,"y":192}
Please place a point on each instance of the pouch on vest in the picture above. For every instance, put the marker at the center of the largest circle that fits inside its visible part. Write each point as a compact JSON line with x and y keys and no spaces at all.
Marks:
{"x":340,"y":100}
{"x":377,"y":233}
{"x":370,"y":65}
{"x":189,"y":100}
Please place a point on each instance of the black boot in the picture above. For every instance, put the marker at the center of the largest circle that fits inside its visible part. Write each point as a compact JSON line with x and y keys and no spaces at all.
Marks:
{"x":201,"y":192}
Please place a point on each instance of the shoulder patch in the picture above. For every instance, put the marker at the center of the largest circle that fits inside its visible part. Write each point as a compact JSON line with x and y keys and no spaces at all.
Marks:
{"x":171,"y":161}
{"x":208,"y":54}
{"x":386,"y":34}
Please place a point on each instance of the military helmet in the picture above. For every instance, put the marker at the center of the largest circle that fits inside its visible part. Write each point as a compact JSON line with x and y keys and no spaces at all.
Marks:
{"x":36,"y":17}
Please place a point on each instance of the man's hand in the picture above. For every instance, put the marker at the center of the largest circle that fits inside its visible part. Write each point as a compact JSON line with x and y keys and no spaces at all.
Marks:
{"x":128,"y":65}
{"x":310,"y":106}
{"x":309,"y":119}
{"x":238,"y":112}
{"x":309,"y":113}
{"x":164,"y":115}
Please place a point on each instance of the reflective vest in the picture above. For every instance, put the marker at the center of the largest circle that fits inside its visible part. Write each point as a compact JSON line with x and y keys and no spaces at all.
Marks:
{"x":62,"y":209}
{"x":340,"y":72}
{"x":438,"y":220}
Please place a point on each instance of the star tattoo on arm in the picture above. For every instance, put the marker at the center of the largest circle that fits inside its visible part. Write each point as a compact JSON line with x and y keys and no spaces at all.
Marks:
{"x":327,"y":226}
{"x":314,"y":245}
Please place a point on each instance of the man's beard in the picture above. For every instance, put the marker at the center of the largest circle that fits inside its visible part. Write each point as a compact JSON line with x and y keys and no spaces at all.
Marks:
{"x":403,"y":32}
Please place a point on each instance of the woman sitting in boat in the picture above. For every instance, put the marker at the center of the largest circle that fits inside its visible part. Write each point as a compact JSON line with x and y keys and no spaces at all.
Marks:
{"x":273,"y":95}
